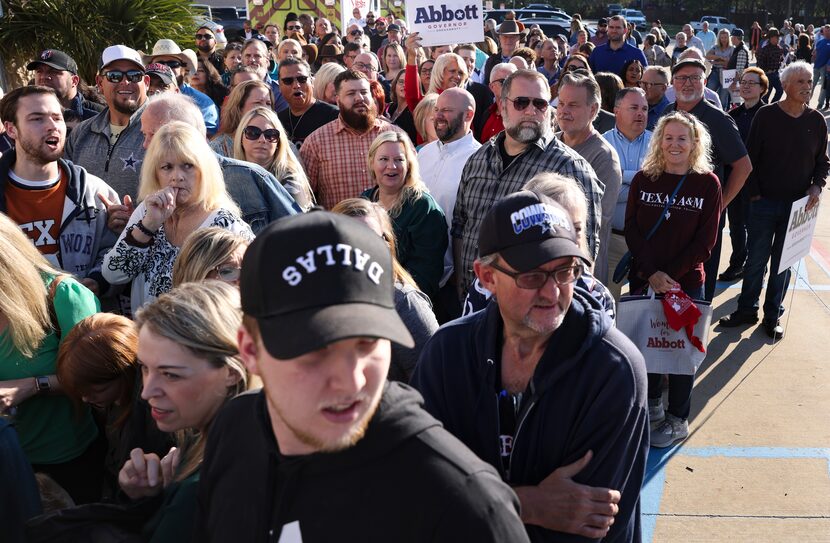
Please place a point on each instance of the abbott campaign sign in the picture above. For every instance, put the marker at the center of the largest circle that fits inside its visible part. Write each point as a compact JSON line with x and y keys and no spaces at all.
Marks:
{"x":800,"y":230}
{"x":453,"y":21}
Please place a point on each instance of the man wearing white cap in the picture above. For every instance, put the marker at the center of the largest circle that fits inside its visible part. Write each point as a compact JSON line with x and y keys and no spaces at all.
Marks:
{"x":183,"y":64}
{"x":109,"y":145}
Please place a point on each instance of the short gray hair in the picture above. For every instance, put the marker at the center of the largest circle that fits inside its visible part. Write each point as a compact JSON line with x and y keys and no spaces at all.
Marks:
{"x":174,"y":106}
{"x":662,"y":70}
{"x":797,"y":66}
{"x":625,"y":92}
{"x":586,"y":82}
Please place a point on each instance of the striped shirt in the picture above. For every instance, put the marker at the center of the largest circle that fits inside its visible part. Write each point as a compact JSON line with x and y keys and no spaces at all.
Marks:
{"x":335,"y":160}
{"x":485,"y":180}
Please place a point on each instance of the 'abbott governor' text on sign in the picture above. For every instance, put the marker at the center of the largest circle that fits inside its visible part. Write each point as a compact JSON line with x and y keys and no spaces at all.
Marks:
{"x":454,"y":21}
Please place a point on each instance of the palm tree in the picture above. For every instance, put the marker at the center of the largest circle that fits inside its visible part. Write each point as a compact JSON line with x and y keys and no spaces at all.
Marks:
{"x":84,"y":28}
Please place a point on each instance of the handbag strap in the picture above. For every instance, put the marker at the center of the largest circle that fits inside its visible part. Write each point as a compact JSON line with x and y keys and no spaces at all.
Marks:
{"x":666,"y":208}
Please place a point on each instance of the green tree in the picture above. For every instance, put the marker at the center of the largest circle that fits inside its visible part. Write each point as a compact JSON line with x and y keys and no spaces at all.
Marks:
{"x":84,"y":28}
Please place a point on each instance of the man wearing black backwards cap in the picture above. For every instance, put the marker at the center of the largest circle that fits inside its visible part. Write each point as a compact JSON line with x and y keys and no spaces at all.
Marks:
{"x":57,"y":70}
{"x":688,"y":78}
{"x":329,"y":450}
{"x":543,"y":373}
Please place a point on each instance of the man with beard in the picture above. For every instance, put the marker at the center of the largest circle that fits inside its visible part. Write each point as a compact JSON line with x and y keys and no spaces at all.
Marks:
{"x":509,"y":38}
{"x":727,"y":147}
{"x":109,"y":145}
{"x":183,"y":64}
{"x":543,"y":373}
{"x":505,"y":163}
{"x":255,"y":54}
{"x":329,"y":450}
{"x":334,"y":156}
{"x":787,"y":170}
{"x":57,"y":70}
{"x":206,"y":48}
{"x":305,"y":114}
{"x":612,"y":55}
{"x":441,"y":163}
{"x":54,"y":201}
{"x":579,"y":101}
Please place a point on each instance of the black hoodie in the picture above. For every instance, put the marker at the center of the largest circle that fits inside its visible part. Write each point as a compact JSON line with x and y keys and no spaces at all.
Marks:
{"x":588,"y":392}
{"x":407,"y":479}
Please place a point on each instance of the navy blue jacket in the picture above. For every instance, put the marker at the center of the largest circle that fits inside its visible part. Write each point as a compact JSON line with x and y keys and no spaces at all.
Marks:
{"x":588,"y":393}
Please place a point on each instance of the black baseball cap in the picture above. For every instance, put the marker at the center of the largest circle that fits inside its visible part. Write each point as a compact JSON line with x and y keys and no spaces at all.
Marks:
{"x":738,"y":33}
{"x":316,"y":278}
{"x":528,"y":229}
{"x":55,"y":59}
{"x":688,"y":62}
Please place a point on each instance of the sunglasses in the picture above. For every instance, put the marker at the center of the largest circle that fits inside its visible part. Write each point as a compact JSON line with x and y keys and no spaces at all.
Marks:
{"x":116,"y":76}
{"x":301,"y":79}
{"x":272,"y":135}
{"x":294,"y":27}
{"x":356,"y":33}
{"x":173,"y":64}
{"x":522,"y":102}
{"x":228,"y":273}
{"x":204,"y":37}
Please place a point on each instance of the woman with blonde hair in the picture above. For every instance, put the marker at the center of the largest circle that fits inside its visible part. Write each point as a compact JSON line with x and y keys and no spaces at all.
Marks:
{"x":423,"y":115}
{"x":190,"y":367}
{"x":719,"y":56}
{"x":412,"y":305}
{"x":260,"y":138}
{"x":242,"y":99}
{"x":393,"y":61}
{"x":418,"y":222}
{"x":324,"y":82}
{"x":210,"y":253}
{"x":182,"y":190}
{"x":97,"y":367}
{"x":677,"y":170}
{"x":38,"y":307}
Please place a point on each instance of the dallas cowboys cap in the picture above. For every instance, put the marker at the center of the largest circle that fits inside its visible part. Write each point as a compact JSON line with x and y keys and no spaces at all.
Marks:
{"x":55,"y":59}
{"x":528,"y":229}
{"x":317,"y":278}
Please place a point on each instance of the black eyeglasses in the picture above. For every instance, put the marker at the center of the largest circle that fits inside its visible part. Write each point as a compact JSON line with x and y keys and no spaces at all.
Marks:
{"x":646,"y":85}
{"x":574,"y":67}
{"x":522,"y":102}
{"x":116,"y":76}
{"x":499,"y":81}
{"x":272,"y":135}
{"x":301,"y":79}
{"x":228,"y":273}
{"x":204,"y":37}
{"x":356,"y":33}
{"x":683,"y":79}
{"x":294,"y":27}
{"x":748,"y":83}
{"x":173,"y":64}
{"x":533,"y":280}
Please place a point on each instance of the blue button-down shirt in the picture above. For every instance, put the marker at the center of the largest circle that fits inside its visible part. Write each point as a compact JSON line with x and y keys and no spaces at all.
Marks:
{"x":655,"y":111}
{"x":631,"y":153}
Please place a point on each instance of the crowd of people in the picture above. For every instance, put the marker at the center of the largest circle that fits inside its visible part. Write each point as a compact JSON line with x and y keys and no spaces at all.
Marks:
{"x":405,"y":254}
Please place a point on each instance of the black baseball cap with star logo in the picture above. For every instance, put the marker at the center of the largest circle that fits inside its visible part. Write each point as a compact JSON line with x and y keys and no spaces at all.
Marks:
{"x":55,"y":59}
{"x":313,"y":279}
{"x":527,"y":230}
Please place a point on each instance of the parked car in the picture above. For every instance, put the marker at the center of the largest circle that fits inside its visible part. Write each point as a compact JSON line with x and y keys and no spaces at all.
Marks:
{"x":545,"y":7}
{"x":635,"y":16}
{"x":552,"y":27}
{"x":614,"y":9}
{"x":715,"y":23}
{"x":522,"y":14}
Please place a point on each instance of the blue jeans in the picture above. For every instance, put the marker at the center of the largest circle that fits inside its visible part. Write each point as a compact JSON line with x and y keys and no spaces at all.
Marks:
{"x":818,"y":81}
{"x":774,"y":85}
{"x":766,"y":227}
{"x":738,"y":211}
{"x":711,"y":266}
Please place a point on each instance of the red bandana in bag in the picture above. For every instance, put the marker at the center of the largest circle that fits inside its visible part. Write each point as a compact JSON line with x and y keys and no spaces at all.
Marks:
{"x":681,"y":312}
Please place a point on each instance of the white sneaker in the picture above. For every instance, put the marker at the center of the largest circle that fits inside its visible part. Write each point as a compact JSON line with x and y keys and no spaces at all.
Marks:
{"x":670,"y":432}
{"x":656,"y":413}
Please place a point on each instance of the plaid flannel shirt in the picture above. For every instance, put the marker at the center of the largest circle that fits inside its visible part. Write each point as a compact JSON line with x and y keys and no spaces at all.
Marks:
{"x":769,"y":57}
{"x":485,"y":180}
{"x":334,"y":159}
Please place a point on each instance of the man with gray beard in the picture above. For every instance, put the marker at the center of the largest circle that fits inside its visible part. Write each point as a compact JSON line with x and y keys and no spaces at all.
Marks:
{"x":505,"y":163}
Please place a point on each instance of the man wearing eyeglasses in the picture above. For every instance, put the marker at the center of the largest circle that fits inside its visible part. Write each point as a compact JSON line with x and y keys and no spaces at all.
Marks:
{"x":206,"y":48}
{"x":492,"y":122}
{"x":354,"y":34}
{"x":369,"y":64}
{"x":654,"y":82}
{"x":305,"y":114}
{"x":505,"y":163}
{"x":543,"y":373}
{"x":109,"y":145}
{"x":727,"y":147}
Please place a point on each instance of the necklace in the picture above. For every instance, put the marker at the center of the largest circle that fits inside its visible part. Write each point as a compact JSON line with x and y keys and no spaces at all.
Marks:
{"x":291,"y":121}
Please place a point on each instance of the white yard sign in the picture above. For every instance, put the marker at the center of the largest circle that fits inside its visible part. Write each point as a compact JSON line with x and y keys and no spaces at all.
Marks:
{"x":800,"y":230}
{"x":451,"y":21}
